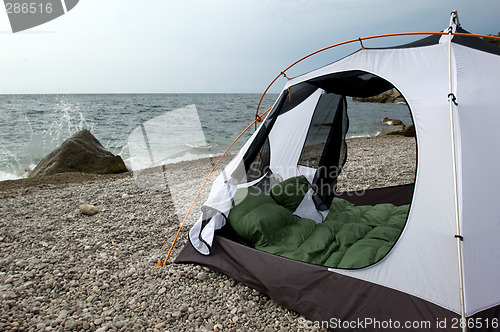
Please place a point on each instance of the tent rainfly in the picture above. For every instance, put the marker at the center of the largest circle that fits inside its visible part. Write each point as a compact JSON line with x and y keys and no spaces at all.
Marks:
{"x":425,"y":252}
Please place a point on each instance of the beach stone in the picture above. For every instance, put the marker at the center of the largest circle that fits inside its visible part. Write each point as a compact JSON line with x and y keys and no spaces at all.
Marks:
{"x":88,"y":209}
{"x":34,"y":261}
{"x":160,"y":326}
{"x":83,"y":153}
{"x":120,"y":324}
{"x":63,"y":314}
{"x":20,"y":263}
{"x":71,"y":324}
{"x":202,"y":276}
{"x":5,"y":287}
{"x":8,"y":295}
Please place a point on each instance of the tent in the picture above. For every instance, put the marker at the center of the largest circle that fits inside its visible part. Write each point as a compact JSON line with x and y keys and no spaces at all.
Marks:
{"x":443,"y":264}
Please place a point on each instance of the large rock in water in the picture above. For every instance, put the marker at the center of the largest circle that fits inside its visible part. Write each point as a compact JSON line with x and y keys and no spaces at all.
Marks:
{"x":82,"y":152}
{"x":389,"y":96}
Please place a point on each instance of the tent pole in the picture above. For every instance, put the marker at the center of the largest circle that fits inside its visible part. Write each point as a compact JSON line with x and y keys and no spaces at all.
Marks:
{"x":458,"y":236}
{"x":440,"y":33}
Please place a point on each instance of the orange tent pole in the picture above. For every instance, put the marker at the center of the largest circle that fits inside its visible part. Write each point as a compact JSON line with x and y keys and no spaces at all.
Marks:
{"x":360,"y":40}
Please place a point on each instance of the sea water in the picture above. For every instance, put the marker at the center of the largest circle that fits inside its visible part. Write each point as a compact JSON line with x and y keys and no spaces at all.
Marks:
{"x":31,"y":126}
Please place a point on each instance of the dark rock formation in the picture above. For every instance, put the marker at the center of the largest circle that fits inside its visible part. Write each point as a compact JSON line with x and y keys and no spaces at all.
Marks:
{"x":82,"y":152}
{"x":392,"y":122}
{"x":393,"y":130}
{"x":389,"y":96}
{"x":397,"y":127}
{"x":409,"y":131}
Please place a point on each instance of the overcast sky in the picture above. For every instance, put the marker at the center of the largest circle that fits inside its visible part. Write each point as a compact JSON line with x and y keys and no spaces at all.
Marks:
{"x":126,"y":46}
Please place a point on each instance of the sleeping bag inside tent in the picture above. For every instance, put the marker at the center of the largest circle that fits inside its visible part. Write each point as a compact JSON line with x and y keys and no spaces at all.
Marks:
{"x":427,"y":250}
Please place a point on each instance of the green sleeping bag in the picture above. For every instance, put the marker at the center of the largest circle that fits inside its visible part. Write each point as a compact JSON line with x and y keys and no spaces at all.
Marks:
{"x":350,"y":237}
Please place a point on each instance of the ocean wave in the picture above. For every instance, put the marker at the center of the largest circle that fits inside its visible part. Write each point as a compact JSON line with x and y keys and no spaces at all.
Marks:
{"x":198,"y":145}
{"x":137,"y":164}
{"x":363,"y":135}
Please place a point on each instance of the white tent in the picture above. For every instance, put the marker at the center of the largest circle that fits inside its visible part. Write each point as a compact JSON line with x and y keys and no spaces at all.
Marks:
{"x":446,"y":262}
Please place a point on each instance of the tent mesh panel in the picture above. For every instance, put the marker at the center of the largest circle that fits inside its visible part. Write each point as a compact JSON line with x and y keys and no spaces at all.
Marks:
{"x":260,"y":164}
{"x":325,"y":148}
{"x":319,"y":129}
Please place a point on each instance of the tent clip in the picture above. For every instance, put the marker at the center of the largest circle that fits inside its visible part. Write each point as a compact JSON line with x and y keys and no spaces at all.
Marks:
{"x":289,"y":93}
{"x":361,"y":42}
{"x":454,"y":18}
{"x":459,"y":237}
{"x":453,"y":98}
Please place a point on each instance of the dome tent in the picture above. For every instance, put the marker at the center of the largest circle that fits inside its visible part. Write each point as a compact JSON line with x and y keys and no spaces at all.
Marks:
{"x":443,"y":263}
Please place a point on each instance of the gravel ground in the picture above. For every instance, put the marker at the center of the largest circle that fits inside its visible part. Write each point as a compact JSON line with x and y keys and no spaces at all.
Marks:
{"x":63,"y":270}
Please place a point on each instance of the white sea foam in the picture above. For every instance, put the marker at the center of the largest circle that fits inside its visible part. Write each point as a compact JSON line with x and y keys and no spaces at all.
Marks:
{"x":198,"y":145}
{"x":363,"y":135}
{"x":4,"y":176}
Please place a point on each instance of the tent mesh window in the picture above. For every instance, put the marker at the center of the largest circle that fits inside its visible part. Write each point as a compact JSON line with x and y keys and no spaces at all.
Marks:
{"x":325,"y":148}
{"x":260,"y":165}
{"x":320,"y":129}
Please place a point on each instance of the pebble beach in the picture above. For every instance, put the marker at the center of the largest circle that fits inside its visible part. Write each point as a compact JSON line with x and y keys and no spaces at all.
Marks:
{"x":63,"y":270}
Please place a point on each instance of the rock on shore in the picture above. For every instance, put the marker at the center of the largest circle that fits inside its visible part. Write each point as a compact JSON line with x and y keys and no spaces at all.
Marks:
{"x":397,"y":127}
{"x":82,"y":152}
{"x":389,"y":96}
